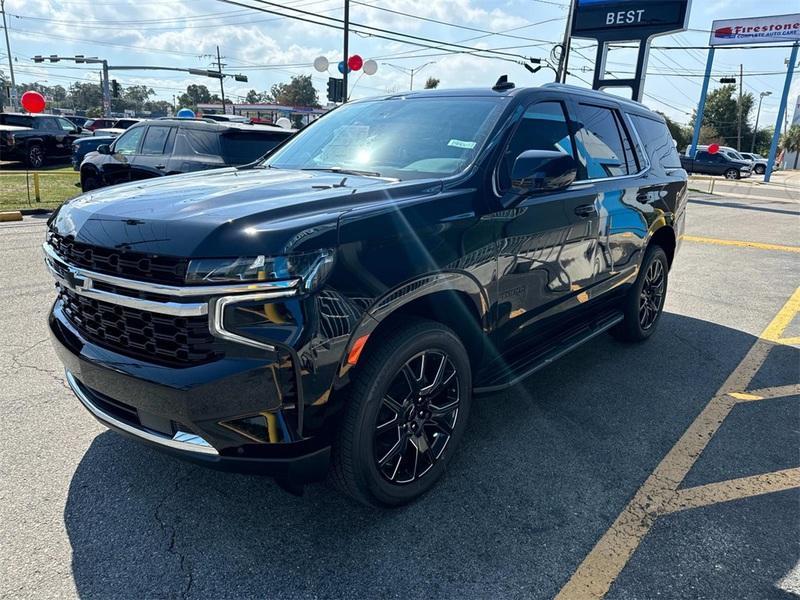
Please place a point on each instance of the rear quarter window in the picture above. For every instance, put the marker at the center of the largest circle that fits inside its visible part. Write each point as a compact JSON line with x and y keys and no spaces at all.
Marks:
{"x":16,"y":120}
{"x":244,"y":147}
{"x":658,"y":144}
{"x":197,"y":143}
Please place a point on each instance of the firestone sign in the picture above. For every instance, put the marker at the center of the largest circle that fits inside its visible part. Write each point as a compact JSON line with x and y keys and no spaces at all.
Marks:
{"x":756,"y":30}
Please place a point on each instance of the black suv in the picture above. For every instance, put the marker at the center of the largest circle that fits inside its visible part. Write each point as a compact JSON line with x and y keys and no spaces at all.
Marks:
{"x":716,"y":163}
{"x":342,"y":300}
{"x":170,"y":146}
{"x":36,"y":139}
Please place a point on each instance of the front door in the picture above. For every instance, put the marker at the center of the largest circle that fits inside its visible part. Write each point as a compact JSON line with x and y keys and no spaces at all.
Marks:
{"x":117,"y":165}
{"x":152,"y":159}
{"x":547,"y":244}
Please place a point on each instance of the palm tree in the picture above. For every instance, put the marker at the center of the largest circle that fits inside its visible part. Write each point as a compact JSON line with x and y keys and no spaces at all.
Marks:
{"x":791,"y":142}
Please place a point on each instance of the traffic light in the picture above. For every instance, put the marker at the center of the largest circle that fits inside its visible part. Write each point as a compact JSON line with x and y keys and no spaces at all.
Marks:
{"x":335,"y":89}
{"x":727,"y":80}
{"x":114,"y":88}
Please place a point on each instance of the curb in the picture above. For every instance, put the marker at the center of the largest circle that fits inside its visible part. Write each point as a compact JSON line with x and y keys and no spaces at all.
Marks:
{"x":13,"y":215}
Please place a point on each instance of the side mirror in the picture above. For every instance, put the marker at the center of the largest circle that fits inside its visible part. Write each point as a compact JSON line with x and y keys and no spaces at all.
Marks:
{"x":104,"y":149}
{"x":537,"y":171}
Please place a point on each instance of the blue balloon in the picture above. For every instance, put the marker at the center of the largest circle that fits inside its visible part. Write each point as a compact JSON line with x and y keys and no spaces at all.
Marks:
{"x":186,"y":113}
{"x":342,"y":67}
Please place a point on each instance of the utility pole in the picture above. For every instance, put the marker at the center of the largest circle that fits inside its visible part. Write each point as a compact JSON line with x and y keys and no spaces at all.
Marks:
{"x":219,"y":66}
{"x":739,"y":119}
{"x":346,"y":50}
{"x":563,"y":60}
{"x":12,"y":94}
{"x":758,"y":116}
{"x":410,"y":71}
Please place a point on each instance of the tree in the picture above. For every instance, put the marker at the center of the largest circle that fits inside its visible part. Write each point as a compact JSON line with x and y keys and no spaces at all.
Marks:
{"x":137,"y":95}
{"x":298,"y":92}
{"x":432,"y":83}
{"x":722,"y":113}
{"x":86,"y":96}
{"x":254,"y":97}
{"x":195,"y":94}
{"x":790,"y":142}
{"x":158,"y":108}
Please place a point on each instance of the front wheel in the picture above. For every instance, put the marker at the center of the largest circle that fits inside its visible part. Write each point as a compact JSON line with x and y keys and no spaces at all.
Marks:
{"x":644,"y":302}
{"x":405,"y":414}
{"x":731,"y":174}
{"x":760,"y":169}
{"x":34,"y":157}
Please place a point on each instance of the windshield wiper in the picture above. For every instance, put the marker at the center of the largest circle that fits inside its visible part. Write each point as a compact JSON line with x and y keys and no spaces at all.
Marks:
{"x":344,"y":171}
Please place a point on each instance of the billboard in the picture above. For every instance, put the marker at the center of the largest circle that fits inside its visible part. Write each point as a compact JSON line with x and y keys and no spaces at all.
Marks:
{"x":756,"y":30}
{"x":622,"y":20}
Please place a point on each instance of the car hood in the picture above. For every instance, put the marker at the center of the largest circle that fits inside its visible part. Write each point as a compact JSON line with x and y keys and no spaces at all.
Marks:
{"x":227,"y":212}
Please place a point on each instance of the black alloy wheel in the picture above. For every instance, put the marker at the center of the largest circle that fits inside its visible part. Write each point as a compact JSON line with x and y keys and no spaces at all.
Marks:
{"x":644,"y":302}
{"x":405,"y":411}
{"x":35,"y":156}
{"x":417,"y":417}
{"x":652,"y":295}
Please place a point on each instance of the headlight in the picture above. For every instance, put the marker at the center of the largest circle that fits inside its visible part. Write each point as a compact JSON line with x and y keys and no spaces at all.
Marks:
{"x":310,"y":267}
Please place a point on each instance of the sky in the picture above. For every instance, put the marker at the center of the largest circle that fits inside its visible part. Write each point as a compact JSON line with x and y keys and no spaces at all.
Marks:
{"x":270,"y":49}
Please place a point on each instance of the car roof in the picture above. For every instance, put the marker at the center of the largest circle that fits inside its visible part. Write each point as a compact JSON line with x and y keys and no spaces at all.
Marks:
{"x":211,"y":125}
{"x":489,"y":92}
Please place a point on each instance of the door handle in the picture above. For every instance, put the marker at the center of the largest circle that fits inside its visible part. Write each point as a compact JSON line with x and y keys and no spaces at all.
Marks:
{"x":643,"y":197}
{"x":585,"y":210}
{"x":161,"y":166}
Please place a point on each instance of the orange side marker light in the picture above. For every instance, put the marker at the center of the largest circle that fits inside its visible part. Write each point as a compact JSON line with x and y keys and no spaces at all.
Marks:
{"x":355,"y":351}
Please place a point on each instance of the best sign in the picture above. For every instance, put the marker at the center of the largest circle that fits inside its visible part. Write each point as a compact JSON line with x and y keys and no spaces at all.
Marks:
{"x":756,"y":30}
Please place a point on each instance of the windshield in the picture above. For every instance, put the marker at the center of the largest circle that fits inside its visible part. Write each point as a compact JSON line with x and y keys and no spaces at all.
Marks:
{"x":402,"y":138}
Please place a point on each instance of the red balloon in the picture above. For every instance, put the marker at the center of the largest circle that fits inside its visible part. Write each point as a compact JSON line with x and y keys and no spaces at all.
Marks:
{"x":713,"y":148}
{"x":355,"y":62}
{"x":33,"y":102}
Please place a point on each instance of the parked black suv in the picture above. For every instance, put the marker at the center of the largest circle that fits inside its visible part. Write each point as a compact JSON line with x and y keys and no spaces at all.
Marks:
{"x":36,"y":139}
{"x":170,"y":146}
{"x":342,"y":300}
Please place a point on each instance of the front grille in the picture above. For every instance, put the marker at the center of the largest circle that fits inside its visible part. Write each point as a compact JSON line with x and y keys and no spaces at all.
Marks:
{"x":123,"y":263}
{"x":152,"y":337}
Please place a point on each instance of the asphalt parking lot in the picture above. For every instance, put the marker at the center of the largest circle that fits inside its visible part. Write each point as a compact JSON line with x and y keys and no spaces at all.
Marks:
{"x":663,"y":470}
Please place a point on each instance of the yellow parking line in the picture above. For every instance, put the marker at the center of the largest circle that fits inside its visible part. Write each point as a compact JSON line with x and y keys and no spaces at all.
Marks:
{"x":598,"y":571}
{"x":781,"y":391}
{"x":733,"y":489}
{"x":790,"y":341}
{"x":741,"y":244}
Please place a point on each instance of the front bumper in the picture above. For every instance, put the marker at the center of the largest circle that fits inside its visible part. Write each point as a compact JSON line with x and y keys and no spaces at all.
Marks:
{"x":182,"y":411}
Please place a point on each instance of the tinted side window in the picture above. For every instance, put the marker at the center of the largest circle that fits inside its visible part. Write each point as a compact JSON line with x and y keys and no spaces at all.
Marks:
{"x":243,"y":148}
{"x":128,"y":141}
{"x":659,"y":144}
{"x":600,"y":149}
{"x":46,"y":123}
{"x":66,"y":125}
{"x":543,"y":127}
{"x":155,"y":140}
{"x":16,"y":120}
{"x":196,"y":143}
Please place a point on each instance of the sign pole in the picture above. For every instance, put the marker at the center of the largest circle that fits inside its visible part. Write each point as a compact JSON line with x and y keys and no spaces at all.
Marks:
{"x":773,"y":149}
{"x":702,"y":106}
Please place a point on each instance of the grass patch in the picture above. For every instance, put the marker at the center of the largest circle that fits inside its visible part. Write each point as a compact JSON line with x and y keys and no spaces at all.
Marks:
{"x":55,"y":186}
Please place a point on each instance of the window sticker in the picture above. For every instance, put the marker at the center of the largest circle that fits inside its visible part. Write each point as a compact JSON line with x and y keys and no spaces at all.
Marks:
{"x":461,"y":144}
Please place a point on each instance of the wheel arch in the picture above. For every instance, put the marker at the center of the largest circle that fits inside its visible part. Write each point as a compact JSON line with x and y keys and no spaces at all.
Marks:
{"x":454,"y":299}
{"x":665,"y":237}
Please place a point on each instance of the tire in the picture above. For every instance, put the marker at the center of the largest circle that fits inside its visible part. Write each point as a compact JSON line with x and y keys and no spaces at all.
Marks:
{"x":34,"y":156}
{"x":760,"y":169}
{"x":367,"y":461}
{"x":731,"y":174}
{"x":90,"y":181}
{"x":642,"y":314}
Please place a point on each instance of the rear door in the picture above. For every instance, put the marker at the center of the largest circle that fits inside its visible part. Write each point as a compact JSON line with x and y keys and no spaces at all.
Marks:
{"x":610,"y":161}
{"x":53,"y":137}
{"x":242,"y":147}
{"x":153,"y":155}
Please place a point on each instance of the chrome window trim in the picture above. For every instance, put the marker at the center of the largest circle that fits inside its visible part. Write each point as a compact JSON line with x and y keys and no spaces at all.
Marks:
{"x":216,"y":316}
{"x":169,"y":290}
{"x":188,"y":442}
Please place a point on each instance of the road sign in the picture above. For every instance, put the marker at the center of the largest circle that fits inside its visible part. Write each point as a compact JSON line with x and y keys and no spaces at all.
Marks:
{"x":622,"y":20}
{"x":756,"y":30}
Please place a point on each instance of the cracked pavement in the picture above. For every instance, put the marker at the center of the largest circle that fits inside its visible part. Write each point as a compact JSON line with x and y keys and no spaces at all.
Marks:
{"x":543,"y":471}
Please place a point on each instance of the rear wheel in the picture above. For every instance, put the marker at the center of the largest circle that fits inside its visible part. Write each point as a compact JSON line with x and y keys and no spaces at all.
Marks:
{"x":731,"y":174}
{"x":644,"y":302}
{"x":405,"y":415}
{"x":34,"y":157}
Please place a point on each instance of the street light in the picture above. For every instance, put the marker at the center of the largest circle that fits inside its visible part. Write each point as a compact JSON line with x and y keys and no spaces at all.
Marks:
{"x":761,"y":97}
{"x":410,"y":71}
